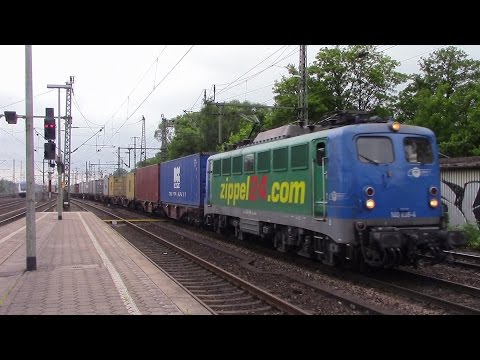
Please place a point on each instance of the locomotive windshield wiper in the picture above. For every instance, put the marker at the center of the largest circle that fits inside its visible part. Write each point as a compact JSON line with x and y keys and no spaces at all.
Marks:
{"x":368,"y":159}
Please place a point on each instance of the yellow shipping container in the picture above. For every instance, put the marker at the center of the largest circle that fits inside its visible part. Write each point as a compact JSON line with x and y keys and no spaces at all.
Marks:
{"x":116,"y":186}
{"x":130,"y":186}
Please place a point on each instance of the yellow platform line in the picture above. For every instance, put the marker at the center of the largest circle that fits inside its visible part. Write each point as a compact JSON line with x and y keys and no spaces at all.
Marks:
{"x":134,"y":220}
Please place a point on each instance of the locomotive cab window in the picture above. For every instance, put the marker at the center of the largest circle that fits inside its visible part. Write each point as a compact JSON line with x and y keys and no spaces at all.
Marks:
{"x":375,"y":150}
{"x":418,"y":150}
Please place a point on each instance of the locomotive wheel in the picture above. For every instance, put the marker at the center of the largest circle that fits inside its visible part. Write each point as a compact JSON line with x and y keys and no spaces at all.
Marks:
{"x":280,"y":241}
{"x":239,"y":233}
{"x":215,"y":225}
{"x":217,"y":228}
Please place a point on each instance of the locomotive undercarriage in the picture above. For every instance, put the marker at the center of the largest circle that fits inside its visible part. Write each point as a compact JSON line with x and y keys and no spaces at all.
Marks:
{"x":373,"y":246}
{"x":304,"y":242}
{"x":393,"y":246}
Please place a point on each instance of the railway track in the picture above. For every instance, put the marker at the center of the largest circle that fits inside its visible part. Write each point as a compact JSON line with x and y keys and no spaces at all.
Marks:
{"x":10,"y":204}
{"x":455,"y":297}
{"x":322,"y":298}
{"x":469,"y":261}
{"x":444,"y":295}
{"x":221,"y":291}
{"x":19,"y":213}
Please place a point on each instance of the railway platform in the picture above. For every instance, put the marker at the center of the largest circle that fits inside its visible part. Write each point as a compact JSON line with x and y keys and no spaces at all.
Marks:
{"x":83,"y":268}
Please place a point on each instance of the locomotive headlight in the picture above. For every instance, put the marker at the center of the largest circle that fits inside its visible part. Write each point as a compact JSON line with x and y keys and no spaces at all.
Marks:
{"x":433,"y":203}
{"x":370,"y":204}
{"x":433,"y":190}
{"x":395,"y":126}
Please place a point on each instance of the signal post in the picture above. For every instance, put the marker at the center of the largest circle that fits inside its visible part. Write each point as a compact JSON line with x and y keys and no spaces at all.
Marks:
{"x":49,"y":148}
{"x":59,"y":160}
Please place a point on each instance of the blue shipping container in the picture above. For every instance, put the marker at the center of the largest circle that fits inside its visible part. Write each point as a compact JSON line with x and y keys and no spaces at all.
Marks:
{"x":183,"y":180}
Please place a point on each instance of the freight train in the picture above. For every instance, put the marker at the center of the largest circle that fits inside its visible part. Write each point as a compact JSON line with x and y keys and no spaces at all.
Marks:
{"x":353,"y":189}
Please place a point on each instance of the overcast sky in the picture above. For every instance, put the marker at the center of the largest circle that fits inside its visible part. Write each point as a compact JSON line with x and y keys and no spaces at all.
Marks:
{"x":116,"y":84}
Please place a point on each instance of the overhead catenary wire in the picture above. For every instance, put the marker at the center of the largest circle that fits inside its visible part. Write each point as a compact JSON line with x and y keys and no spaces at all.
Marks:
{"x":20,"y":141}
{"x":230,"y":82}
{"x":385,"y":48}
{"x":241,"y":76}
{"x":276,"y":61}
{"x":391,"y":47}
{"x":77,"y":106}
{"x":248,"y":92}
{"x":261,"y":71}
{"x":154,"y":88}
{"x":155,"y":62}
{"x":134,"y":88}
{"x":86,"y":140}
{"x":195,"y":103}
{"x":76,"y":102}
{"x":427,"y":52}
{"x":23,"y":100}
{"x":388,"y":48}
{"x":114,"y":132}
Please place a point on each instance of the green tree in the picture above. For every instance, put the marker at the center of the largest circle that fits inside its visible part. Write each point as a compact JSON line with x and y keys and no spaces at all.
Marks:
{"x":463,"y":122}
{"x":199,"y":132}
{"x":286,"y":91}
{"x":120,"y":172}
{"x":251,"y":123}
{"x":352,"y":77}
{"x":186,"y":139}
{"x":356,"y":77}
{"x":449,"y":68}
{"x":445,"y":97}
{"x":6,"y":186}
{"x":150,"y":161}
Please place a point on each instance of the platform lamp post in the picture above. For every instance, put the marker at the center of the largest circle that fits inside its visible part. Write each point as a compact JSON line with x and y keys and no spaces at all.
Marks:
{"x":59,"y":143}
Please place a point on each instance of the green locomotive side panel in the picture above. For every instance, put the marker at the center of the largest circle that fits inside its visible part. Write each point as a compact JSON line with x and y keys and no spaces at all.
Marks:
{"x":287,"y":176}
{"x":288,"y":191}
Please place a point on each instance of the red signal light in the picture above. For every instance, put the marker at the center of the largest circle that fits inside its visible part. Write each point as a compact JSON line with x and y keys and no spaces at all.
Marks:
{"x":49,"y":125}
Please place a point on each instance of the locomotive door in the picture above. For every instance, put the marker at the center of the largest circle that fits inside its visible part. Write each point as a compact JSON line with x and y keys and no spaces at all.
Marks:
{"x":319,"y":179}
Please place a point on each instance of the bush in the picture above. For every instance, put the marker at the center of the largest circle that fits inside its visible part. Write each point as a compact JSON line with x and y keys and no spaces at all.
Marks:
{"x":472,"y":233}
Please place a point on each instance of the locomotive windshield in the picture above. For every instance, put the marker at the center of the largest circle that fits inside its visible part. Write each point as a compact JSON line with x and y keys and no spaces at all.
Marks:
{"x":375,"y":150}
{"x":418,"y":150}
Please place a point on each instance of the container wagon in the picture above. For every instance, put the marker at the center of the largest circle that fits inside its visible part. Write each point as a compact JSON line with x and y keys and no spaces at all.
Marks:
{"x":116,"y":189}
{"x":128,"y":199}
{"x":182,"y":187}
{"x":147,"y":188}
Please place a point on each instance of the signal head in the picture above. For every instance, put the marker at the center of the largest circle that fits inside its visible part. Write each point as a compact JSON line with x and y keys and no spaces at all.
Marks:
{"x":11,"y":117}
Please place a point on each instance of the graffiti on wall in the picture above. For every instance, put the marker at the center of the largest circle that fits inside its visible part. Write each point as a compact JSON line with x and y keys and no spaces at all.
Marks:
{"x":462,"y":202}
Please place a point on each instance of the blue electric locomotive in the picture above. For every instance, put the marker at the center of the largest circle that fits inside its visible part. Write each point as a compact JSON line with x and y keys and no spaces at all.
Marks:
{"x":368,"y":191}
